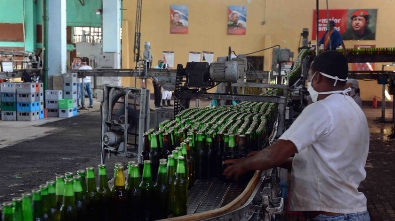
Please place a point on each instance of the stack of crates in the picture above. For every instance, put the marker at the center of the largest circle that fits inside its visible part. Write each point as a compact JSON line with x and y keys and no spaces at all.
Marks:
{"x":68,"y":107}
{"x":29,"y":101}
{"x":52,"y":98}
{"x":8,"y":101}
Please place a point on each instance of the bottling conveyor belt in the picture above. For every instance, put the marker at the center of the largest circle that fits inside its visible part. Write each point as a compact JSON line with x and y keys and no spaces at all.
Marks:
{"x":212,"y":194}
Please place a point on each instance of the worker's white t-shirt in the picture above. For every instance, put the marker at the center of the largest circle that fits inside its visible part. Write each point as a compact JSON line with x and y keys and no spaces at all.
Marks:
{"x":332,"y":139}
{"x":86,"y":79}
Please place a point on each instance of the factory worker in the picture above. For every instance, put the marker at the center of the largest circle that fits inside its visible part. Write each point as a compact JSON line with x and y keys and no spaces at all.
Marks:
{"x":329,"y":153}
{"x":354,"y":93}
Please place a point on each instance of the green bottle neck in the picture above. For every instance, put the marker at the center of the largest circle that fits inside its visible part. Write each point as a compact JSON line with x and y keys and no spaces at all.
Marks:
{"x":181,"y":167}
{"x":77,"y":187}
{"x":91,"y":181}
{"x":147,"y":176}
{"x":7,"y":210}
{"x":68,"y":189}
{"x":154,"y":142}
{"x":59,"y":187}
{"x":162,"y":175}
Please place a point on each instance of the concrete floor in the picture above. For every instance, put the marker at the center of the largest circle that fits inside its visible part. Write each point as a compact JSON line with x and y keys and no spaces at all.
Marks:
{"x":33,"y":152}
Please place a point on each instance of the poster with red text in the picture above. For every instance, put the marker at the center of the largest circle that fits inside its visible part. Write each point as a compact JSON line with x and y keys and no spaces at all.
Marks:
{"x":237,"y":20}
{"x":339,"y":16}
{"x":352,"y":24}
{"x":367,"y":66}
{"x":178,"y":19}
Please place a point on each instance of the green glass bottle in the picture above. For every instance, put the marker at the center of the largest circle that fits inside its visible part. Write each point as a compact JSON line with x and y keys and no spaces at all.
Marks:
{"x":45,"y":201}
{"x":162,"y":187}
{"x":68,"y":211}
{"x":212,"y":156}
{"x":92,"y":197}
{"x":154,"y":157}
{"x":147,"y":192}
{"x":190,"y":163}
{"x":54,"y":214}
{"x":233,"y":153}
{"x":8,"y":214}
{"x":37,"y":205}
{"x":82,"y":174}
{"x":171,"y":175}
{"x":119,"y":197}
{"x":27,"y":208}
{"x":59,"y":190}
{"x":80,"y":204}
{"x":17,"y":208}
{"x":133,"y":192}
{"x":202,"y":157}
{"x":184,"y":154}
{"x":104,"y":193}
{"x":68,"y":175}
{"x":175,"y":155}
{"x":180,"y":197}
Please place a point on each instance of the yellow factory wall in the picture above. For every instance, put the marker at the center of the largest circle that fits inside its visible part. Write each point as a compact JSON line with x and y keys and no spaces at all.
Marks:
{"x":269,"y":22}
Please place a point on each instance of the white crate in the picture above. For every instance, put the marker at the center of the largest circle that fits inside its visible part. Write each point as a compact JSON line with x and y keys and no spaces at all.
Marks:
{"x":42,"y":105}
{"x":72,"y":86}
{"x":52,"y":112}
{"x":26,"y":97}
{"x":53,"y":95}
{"x":8,"y":115}
{"x":25,"y":88}
{"x":26,"y":116}
{"x":70,"y":94}
{"x":39,"y":97}
{"x":66,"y":113}
{"x":70,"y":77}
{"x":51,"y":104}
{"x":7,"y":87}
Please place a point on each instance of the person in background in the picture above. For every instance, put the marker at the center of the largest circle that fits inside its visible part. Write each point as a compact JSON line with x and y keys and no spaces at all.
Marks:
{"x":359,"y":27}
{"x":86,"y":84}
{"x":166,"y":96}
{"x":157,"y":87}
{"x":75,"y":66}
{"x":354,"y":93}
{"x":326,"y":148}
{"x":331,"y":38}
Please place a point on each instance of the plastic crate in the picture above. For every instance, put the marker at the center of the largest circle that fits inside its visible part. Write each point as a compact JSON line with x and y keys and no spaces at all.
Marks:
{"x":7,"y":87}
{"x":28,"y":107}
{"x":25,"y":88}
{"x":26,"y":116}
{"x":41,"y":114}
{"x":37,"y":115}
{"x":28,"y":97}
{"x":162,"y":115}
{"x":69,"y":86}
{"x":39,"y":88}
{"x":51,"y":104}
{"x":75,"y":111}
{"x":70,"y":78}
{"x":65,"y":103}
{"x":39,"y":97}
{"x":8,"y":106}
{"x":66,"y":113}
{"x":41,"y":105}
{"x":8,"y":115}
{"x":52,"y":112}
{"x":70,"y":94}
{"x":53,"y":95}
{"x":8,"y":97}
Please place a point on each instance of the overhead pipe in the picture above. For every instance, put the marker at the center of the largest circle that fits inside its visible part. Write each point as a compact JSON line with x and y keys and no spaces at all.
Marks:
{"x":45,"y":20}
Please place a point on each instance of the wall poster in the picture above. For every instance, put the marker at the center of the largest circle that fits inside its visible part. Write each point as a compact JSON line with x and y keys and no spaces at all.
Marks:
{"x":237,"y":19}
{"x":178,"y":19}
{"x":353,"y":24}
{"x":168,"y":58}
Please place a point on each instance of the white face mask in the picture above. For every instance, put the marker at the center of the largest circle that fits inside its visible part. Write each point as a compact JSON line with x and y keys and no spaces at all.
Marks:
{"x":314,"y":94}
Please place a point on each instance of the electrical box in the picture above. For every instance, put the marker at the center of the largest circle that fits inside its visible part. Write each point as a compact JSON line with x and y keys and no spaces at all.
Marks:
{"x":107,"y":60}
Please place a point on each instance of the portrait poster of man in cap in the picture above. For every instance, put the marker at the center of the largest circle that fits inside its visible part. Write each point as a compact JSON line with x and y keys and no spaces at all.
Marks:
{"x":361,"y":25}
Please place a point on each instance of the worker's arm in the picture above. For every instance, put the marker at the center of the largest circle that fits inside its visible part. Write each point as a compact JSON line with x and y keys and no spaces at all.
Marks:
{"x":272,"y":156}
{"x":343,"y":45}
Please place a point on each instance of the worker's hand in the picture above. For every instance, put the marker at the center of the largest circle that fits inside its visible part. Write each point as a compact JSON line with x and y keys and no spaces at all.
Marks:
{"x":234,"y":168}
{"x":253,"y":153}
